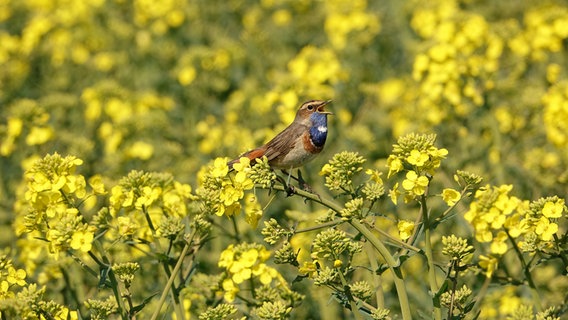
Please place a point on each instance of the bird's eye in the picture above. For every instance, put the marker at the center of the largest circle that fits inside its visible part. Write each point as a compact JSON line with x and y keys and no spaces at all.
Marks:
{"x":310,"y":107}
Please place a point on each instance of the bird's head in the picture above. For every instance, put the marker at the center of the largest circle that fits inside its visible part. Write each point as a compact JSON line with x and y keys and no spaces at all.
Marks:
{"x":311,"y":107}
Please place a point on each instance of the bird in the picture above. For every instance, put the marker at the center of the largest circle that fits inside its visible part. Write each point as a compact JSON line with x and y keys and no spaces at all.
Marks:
{"x":299,"y":143}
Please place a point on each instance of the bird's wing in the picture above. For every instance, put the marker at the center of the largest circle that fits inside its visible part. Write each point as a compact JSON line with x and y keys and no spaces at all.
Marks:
{"x":281,"y":144}
{"x":284,"y":141}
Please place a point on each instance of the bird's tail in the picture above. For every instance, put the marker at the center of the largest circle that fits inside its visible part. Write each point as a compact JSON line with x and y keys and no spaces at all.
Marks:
{"x":252,"y":155}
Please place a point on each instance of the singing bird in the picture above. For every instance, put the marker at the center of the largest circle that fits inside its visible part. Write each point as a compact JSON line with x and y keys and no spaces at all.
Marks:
{"x":299,"y":143}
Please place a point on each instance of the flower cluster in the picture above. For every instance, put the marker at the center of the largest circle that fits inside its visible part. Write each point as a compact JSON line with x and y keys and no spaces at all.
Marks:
{"x":545,"y":29}
{"x":556,"y":114}
{"x":54,"y":193}
{"x":221,"y":193}
{"x":353,"y":209}
{"x":350,"y":23}
{"x":29,"y":304}
{"x":334,"y":246}
{"x":339,"y":171}
{"x":262,"y":174}
{"x":417,"y":155}
{"x":273,"y":232}
{"x":243,"y":262}
{"x":493,"y":209}
{"x":125,"y":272}
{"x":374,"y":188}
{"x":496,"y":216}
{"x":26,"y":118}
{"x":459,"y":299}
{"x":540,"y":223}
{"x":457,"y":66}
{"x":100,"y":309}
{"x":221,"y":311}
{"x":141,"y":200}
{"x":10,"y":278}
{"x":456,"y":248}
{"x":273,"y":310}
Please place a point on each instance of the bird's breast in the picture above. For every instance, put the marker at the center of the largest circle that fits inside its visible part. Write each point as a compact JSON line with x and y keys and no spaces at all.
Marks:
{"x":318,"y":129}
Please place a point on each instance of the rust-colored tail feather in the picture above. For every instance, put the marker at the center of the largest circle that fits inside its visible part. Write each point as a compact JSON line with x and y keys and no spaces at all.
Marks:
{"x":252,"y":155}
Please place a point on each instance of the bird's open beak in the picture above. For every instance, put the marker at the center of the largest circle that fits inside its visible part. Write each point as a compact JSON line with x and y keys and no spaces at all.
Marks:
{"x":321,"y":108}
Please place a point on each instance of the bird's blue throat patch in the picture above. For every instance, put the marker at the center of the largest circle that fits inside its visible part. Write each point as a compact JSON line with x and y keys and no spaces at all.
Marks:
{"x":318,"y":131}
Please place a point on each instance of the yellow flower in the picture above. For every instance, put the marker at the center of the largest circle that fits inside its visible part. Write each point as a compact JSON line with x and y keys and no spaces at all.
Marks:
{"x":126,"y":226}
{"x":141,"y":150}
{"x":242,"y":165}
{"x":227,"y":256}
{"x":253,"y":210}
{"x":186,"y":75}
{"x":394,"y":164}
{"x":82,"y":240}
{"x":374,"y":175}
{"x":450,"y":196}
{"x":265,"y":273}
{"x":16,"y":276}
{"x":414,"y":183}
{"x":15,"y":126}
{"x":230,"y":289}
{"x":405,"y":229}
{"x":417,"y":158}
{"x":220,"y":168}
{"x":394,"y":193}
{"x":96,"y":182}
{"x":308,"y":268}
{"x":553,"y":209}
{"x":248,"y":258}
{"x":325,"y":170}
{"x":39,"y":135}
{"x":148,"y":196}
{"x":499,"y":245}
{"x":489,"y":264}
{"x":545,"y":229}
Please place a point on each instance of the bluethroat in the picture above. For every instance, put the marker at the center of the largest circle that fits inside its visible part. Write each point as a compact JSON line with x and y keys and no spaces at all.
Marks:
{"x":299,"y":143}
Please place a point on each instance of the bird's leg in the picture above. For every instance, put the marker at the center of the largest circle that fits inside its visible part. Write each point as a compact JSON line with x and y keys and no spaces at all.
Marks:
{"x":304,"y":185}
{"x":287,"y":186}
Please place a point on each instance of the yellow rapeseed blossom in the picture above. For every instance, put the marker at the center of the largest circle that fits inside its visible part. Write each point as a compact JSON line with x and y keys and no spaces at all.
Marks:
{"x":186,"y":75}
{"x":96,"y":183}
{"x":405,"y":229}
{"x":394,"y":193}
{"x":556,"y":114}
{"x":450,"y":196}
{"x":490,"y":210}
{"x":243,"y":262}
{"x":489,"y":264}
{"x":17,"y":277}
{"x":415,"y":184}
{"x":141,"y":150}
{"x":348,"y":22}
{"x":39,"y":135}
{"x":553,"y":209}
{"x":417,"y":158}
{"x":82,"y":240}
{"x":253,"y":210}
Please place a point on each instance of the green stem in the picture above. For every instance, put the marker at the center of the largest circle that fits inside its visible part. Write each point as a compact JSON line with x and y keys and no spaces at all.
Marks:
{"x":474,"y":313}
{"x":320,"y":226}
{"x":393,"y":265}
{"x":347,"y":290}
{"x":527,"y":272}
{"x":377,"y":279}
{"x":430,"y":259}
{"x":105,"y":263}
{"x":170,"y":282}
